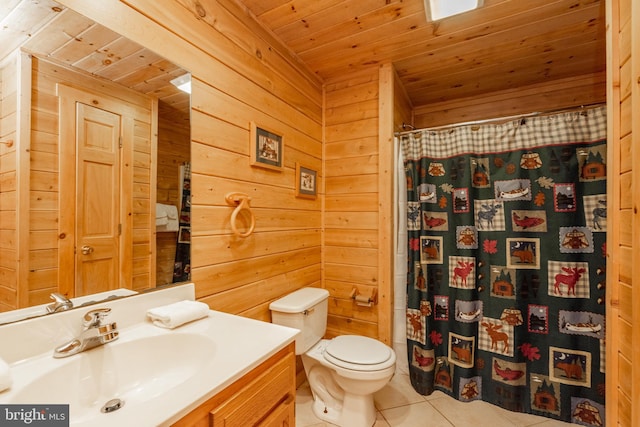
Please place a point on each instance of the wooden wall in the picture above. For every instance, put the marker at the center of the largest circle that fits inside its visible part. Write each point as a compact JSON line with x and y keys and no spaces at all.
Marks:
{"x":240,"y":74}
{"x":8,"y":190}
{"x":402,"y":120}
{"x":623,"y":232}
{"x":402,"y":107}
{"x":362,"y":112}
{"x":552,"y":95}
{"x":174,"y":141}
{"x":351,"y":241}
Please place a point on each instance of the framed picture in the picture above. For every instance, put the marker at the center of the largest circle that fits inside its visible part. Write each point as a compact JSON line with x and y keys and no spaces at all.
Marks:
{"x":266,"y":148}
{"x":306,"y":182}
{"x":184,"y":235}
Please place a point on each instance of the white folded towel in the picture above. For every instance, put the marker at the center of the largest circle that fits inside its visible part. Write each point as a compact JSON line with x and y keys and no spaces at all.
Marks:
{"x":161,"y":215}
{"x":166,"y":217}
{"x":176,"y":314}
{"x":5,"y":376}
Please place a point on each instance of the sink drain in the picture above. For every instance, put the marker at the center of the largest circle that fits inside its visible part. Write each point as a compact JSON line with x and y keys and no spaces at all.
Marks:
{"x":112,"y":405}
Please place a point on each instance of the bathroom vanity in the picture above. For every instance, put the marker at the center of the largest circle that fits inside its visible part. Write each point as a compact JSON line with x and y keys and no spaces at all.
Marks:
{"x":220,"y":370}
{"x":263,"y":397}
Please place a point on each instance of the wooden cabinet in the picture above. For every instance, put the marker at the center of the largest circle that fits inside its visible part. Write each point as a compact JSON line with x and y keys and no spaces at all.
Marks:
{"x":264,"y":397}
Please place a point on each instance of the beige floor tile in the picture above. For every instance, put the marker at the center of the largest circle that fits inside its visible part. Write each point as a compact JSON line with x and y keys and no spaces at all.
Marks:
{"x":399,"y":405}
{"x":304,"y":413}
{"x":380,"y":421}
{"x":306,"y":418}
{"x":520,"y":419}
{"x":470,"y":414}
{"x":437,"y":394}
{"x":398,"y":392}
{"x":415,"y":415}
{"x":552,"y":423}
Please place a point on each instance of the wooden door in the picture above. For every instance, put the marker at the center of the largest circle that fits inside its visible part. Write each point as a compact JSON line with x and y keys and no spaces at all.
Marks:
{"x":107,"y":152}
{"x":98,"y":136}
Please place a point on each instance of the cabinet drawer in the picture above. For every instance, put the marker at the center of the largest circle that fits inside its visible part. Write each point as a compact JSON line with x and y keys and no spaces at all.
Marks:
{"x":282,"y":416}
{"x":258,"y":399}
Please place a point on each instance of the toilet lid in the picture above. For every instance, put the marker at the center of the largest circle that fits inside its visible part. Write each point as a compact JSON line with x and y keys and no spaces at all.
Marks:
{"x":354,"y":349}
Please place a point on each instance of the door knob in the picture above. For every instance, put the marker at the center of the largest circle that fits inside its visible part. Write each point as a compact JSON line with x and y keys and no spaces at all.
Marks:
{"x":86,"y":250}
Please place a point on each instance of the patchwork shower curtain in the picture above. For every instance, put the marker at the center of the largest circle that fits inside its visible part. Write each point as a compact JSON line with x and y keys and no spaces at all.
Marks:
{"x":506,"y":266}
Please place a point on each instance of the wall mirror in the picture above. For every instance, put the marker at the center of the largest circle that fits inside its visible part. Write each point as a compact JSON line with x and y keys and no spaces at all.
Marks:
{"x":100,"y":201}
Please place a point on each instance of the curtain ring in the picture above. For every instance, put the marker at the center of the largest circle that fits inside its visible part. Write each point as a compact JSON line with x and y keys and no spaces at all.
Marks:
{"x":241,"y":201}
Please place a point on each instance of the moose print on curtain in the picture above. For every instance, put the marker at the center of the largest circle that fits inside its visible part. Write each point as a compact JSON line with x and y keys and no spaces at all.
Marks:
{"x":505,"y":291}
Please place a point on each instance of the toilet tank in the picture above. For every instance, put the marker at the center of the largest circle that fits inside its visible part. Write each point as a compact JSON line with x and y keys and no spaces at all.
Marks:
{"x":306,"y":310}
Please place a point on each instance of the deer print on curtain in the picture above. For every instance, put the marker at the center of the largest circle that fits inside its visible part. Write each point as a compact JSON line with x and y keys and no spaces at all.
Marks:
{"x":507,"y":227}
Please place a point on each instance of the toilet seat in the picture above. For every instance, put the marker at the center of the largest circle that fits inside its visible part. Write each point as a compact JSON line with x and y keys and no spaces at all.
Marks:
{"x":358,"y":353}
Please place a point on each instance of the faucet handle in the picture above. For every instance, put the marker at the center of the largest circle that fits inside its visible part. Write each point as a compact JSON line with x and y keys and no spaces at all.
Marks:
{"x":94,"y":317}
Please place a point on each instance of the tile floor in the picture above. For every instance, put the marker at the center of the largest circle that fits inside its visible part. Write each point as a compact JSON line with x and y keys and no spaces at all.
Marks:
{"x":400,"y":406}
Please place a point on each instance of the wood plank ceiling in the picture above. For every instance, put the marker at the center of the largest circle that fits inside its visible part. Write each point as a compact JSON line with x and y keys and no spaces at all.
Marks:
{"x":506,"y":44}
{"x":503,"y":45}
{"x":51,"y":31}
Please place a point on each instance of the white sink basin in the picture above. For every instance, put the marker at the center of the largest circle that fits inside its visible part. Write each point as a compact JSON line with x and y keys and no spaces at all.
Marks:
{"x":134,"y":371}
{"x":137,"y":368}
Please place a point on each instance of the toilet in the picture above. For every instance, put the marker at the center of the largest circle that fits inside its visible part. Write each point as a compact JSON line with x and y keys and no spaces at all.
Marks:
{"x":343,"y":372}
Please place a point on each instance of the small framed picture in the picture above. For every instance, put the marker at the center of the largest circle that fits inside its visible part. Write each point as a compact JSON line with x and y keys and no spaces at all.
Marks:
{"x":266,"y":148}
{"x":184,"y":235}
{"x":306,"y":182}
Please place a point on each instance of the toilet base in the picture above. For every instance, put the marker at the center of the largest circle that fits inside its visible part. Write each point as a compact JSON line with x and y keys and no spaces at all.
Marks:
{"x":345,"y":406}
{"x":356,"y":411}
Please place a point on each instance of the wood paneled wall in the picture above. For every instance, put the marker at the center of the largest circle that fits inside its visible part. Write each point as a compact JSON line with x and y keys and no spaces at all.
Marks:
{"x":8,"y":184}
{"x":552,"y":95}
{"x":402,"y":107}
{"x":362,"y":111}
{"x":351,"y":241}
{"x":240,"y":74}
{"x":623,"y":233}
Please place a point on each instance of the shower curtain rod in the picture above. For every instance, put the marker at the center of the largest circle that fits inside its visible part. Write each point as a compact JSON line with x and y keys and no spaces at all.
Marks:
{"x":499,"y":119}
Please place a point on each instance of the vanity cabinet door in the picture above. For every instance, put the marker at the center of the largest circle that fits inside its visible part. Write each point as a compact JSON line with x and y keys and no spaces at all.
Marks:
{"x":282,"y":416}
{"x":265,"y":399}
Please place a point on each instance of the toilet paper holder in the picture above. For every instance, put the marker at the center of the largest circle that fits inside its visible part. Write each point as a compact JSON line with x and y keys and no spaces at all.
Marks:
{"x":364,"y":300}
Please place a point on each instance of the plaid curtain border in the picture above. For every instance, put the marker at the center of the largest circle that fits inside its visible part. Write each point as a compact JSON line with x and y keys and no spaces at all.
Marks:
{"x":562,"y":128}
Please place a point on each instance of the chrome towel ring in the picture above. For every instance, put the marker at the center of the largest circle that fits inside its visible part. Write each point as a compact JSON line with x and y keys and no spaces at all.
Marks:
{"x":241,"y":201}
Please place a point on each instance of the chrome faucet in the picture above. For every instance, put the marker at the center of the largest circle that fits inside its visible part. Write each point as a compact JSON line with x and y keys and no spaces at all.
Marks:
{"x":94,"y":333}
{"x":60,"y":303}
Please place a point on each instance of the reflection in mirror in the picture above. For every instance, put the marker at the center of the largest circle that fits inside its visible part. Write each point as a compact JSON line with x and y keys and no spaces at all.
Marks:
{"x":94,"y":189}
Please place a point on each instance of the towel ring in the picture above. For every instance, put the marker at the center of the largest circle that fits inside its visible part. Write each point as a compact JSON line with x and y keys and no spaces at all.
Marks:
{"x":241,"y":201}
